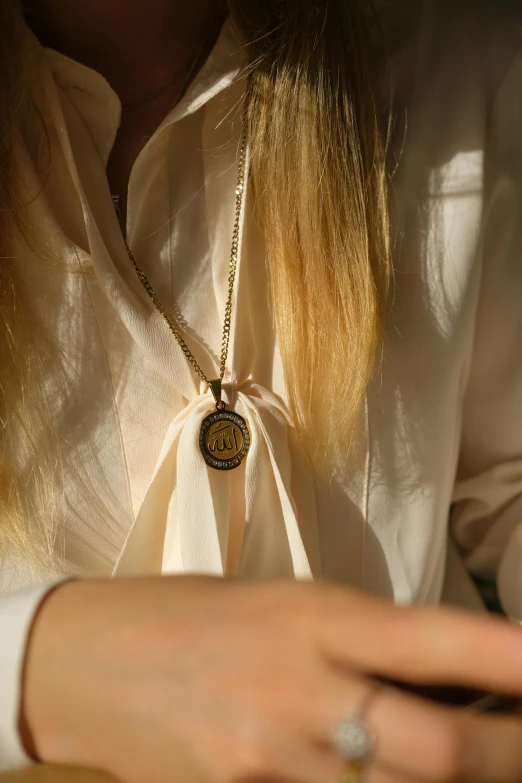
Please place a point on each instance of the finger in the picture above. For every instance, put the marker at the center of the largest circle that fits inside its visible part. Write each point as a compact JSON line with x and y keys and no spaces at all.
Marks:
{"x":412,"y":737}
{"x":421,"y":741}
{"x":493,"y":746}
{"x":424,"y":646}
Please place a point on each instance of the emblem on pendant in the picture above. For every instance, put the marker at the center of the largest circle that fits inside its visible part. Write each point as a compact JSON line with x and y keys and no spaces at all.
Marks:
{"x":224,"y":439}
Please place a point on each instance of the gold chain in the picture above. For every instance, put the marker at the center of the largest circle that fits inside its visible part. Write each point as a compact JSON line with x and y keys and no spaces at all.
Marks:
{"x":231,"y":276}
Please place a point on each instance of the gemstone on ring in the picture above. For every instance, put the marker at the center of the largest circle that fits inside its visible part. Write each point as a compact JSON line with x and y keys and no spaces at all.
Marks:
{"x":353,"y":739}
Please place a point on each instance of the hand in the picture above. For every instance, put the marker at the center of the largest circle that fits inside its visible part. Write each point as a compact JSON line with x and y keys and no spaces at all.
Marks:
{"x":199,"y":680}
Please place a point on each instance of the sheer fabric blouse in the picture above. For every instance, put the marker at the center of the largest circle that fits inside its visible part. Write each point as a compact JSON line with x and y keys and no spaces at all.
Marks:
{"x":438,"y":488}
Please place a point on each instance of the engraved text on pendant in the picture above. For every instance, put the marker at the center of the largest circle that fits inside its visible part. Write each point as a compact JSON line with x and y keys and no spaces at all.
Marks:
{"x":224,"y":439}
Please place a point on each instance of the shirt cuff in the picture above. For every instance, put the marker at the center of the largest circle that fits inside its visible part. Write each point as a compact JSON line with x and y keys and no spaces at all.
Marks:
{"x":16,"y":614}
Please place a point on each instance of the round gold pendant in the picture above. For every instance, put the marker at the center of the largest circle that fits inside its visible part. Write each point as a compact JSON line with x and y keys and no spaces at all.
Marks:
{"x":224,"y":439}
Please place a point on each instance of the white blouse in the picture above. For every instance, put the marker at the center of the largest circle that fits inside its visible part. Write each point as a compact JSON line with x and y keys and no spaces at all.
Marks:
{"x":442,"y":424}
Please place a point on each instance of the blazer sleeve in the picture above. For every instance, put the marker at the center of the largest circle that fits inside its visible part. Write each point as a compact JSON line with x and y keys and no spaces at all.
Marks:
{"x":486,"y":519}
{"x":17,"y":611}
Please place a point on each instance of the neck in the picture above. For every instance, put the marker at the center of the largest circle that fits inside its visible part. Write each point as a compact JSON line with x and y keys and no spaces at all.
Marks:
{"x":136,"y":44}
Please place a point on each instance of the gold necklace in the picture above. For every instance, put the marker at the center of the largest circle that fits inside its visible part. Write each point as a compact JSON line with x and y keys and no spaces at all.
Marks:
{"x":224,"y":437}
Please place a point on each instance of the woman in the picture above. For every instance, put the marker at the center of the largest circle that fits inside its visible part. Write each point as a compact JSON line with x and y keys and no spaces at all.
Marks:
{"x":267,"y":162}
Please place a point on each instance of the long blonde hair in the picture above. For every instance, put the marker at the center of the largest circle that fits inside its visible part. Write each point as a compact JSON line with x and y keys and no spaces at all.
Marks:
{"x":320,"y":182}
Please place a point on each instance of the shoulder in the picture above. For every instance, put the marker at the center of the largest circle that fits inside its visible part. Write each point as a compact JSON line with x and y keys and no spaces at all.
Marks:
{"x":448,"y":61}
{"x":441,"y":48}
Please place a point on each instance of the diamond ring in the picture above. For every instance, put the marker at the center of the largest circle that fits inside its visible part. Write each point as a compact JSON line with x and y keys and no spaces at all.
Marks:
{"x":354,"y":740}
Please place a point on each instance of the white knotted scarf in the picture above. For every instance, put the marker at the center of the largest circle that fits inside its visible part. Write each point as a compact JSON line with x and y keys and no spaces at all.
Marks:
{"x":183,"y":523}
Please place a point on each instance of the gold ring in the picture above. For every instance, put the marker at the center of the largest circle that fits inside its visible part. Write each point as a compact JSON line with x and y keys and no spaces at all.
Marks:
{"x":352,"y":772}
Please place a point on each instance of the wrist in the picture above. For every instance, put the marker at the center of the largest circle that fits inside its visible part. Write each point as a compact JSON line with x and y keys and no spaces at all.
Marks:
{"x":35,"y":714}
